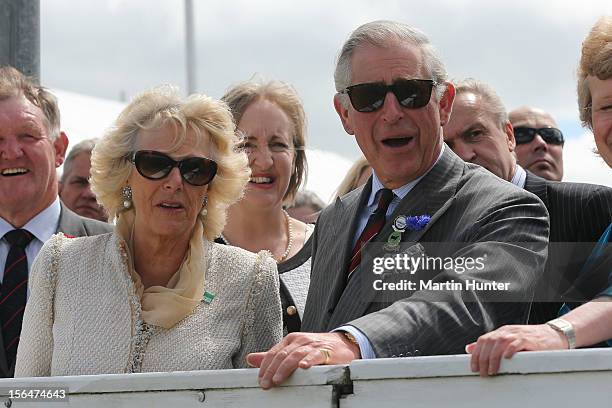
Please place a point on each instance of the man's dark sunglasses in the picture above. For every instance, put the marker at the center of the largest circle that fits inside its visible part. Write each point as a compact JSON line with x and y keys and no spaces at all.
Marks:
{"x":197,"y":171}
{"x":527,"y":134}
{"x":410,"y":93}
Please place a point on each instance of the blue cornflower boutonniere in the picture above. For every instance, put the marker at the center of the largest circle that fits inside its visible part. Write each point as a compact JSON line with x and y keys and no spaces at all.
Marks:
{"x":417,"y":222}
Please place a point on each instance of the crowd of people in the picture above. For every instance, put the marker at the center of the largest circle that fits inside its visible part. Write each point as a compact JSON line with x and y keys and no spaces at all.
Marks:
{"x":180,"y":239}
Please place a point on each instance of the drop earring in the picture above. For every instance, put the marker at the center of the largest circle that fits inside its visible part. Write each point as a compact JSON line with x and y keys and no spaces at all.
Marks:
{"x":126,"y":193}
{"x":204,"y":211}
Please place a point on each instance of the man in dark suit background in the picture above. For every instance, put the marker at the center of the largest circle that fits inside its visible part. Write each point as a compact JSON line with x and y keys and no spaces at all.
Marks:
{"x":31,"y":148}
{"x":394,"y":98}
{"x":480,"y":132}
{"x":537,"y":152}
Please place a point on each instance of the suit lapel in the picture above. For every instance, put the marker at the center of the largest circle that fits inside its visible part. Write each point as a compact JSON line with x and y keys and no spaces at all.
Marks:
{"x":346,"y":225}
{"x":537,"y":185}
{"x":70,"y":223}
{"x":433,"y":195}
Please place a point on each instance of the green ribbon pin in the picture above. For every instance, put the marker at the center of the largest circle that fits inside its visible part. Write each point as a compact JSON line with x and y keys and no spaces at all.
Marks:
{"x":208,"y":297}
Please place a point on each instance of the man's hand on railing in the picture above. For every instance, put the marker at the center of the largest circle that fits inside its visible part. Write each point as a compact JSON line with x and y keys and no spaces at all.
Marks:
{"x":489,"y":349}
{"x":302,"y":350}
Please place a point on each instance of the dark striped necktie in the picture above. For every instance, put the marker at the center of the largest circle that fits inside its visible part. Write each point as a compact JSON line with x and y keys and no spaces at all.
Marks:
{"x":14,"y":291}
{"x":372,"y":228}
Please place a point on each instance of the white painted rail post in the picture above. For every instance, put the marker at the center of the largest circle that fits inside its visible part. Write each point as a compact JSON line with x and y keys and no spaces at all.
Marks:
{"x":202,"y":389}
{"x":576,"y":379}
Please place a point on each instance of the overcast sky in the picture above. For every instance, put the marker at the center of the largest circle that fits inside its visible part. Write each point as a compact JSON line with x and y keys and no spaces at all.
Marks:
{"x":528,"y":50}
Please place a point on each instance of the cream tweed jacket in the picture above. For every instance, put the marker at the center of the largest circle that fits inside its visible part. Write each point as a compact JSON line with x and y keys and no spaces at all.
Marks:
{"x":83,"y":316}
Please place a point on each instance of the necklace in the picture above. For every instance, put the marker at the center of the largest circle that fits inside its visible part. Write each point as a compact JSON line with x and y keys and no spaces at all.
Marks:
{"x":289,"y":241}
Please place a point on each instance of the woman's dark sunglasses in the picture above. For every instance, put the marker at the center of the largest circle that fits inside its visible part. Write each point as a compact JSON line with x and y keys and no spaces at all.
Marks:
{"x":410,"y":93}
{"x":197,"y":171}
{"x":526,"y":135}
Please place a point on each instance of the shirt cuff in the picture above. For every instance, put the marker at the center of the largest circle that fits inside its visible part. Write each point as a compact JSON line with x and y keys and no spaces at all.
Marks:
{"x":365,"y":347}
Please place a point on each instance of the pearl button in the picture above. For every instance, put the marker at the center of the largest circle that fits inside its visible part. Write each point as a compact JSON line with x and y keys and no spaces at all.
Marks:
{"x":291,"y":310}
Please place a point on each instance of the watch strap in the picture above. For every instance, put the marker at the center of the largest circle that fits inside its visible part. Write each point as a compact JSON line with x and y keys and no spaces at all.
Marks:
{"x":566,"y":328}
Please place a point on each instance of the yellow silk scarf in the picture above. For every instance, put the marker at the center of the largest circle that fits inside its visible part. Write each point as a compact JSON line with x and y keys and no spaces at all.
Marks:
{"x":165,"y":306}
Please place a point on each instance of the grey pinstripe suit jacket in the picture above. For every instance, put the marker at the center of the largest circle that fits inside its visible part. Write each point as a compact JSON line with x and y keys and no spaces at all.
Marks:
{"x":71,"y":224}
{"x":468,"y":204}
{"x":580,"y":213}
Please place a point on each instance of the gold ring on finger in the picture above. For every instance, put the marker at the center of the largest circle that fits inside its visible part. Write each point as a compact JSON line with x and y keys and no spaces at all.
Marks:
{"x":327,"y":353}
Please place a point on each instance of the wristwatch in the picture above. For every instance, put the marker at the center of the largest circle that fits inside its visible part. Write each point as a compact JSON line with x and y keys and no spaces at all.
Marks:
{"x":565,"y":327}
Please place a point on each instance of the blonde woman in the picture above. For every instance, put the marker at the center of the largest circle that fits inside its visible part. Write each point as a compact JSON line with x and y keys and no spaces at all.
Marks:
{"x":156,"y":294}
{"x":271,"y":118}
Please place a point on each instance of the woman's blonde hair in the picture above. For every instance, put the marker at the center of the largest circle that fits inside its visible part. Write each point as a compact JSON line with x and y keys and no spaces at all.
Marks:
{"x":349,"y":183}
{"x":595,"y":60}
{"x":239,"y":97}
{"x":212,"y":123}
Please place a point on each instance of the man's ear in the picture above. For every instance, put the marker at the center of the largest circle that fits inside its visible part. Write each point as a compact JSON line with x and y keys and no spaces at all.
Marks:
{"x":343,"y":113}
{"x":445,"y":105}
{"x":61,"y":146}
{"x":509,"y":131}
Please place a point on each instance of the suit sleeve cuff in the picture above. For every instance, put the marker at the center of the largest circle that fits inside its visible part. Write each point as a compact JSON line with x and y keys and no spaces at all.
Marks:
{"x":365,"y":347}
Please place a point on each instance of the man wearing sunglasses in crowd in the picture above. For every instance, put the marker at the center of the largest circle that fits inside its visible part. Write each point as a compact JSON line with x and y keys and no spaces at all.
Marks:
{"x":31,"y":148}
{"x":480,"y":132}
{"x":539,"y":142}
{"x":394,"y":98}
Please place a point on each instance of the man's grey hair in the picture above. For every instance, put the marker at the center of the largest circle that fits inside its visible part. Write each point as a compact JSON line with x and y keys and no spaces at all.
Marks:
{"x":86,"y":146}
{"x":380,"y":34}
{"x":492,"y":102}
{"x":307,"y":198}
{"x":14,"y":83}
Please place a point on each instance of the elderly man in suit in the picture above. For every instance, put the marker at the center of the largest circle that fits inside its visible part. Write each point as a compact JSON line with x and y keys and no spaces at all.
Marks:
{"x":74,"y":188}
{"x":31,"y":148}
{"x":393,"y":96}
{"x":480,"y":132}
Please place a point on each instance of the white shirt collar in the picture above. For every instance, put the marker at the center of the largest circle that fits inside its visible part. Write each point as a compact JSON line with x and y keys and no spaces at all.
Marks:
{"x":520,"y":175}
{"x":42,"y":226}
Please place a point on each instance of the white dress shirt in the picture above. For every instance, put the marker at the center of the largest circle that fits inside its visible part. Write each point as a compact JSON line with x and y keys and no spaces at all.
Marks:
{"x":520,"y":175}
{"x":42,"y":226}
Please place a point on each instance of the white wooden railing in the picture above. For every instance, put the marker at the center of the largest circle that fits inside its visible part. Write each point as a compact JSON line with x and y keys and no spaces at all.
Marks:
{"x":577,"y":379}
